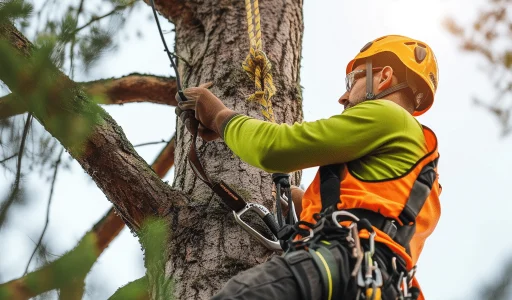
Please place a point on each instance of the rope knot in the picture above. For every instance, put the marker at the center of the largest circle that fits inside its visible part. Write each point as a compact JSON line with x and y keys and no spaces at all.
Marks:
{"x":256,"y":64}
{"x":258,"y":67}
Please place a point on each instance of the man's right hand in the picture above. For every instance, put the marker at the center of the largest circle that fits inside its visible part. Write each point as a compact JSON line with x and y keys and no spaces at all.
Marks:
{"x":209,"y":111}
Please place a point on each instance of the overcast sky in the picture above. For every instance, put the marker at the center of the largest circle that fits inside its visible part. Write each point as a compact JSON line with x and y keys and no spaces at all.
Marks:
{"x":470,"y":242}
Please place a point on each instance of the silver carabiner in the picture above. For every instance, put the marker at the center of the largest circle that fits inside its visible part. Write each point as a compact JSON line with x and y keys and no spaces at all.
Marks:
{"x":262,"y":213}
{"x":284,"y":200}
{"x":335,"y":215}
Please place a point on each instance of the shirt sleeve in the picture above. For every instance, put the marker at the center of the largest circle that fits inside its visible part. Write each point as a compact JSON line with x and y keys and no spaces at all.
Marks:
{"x":358,"y":131}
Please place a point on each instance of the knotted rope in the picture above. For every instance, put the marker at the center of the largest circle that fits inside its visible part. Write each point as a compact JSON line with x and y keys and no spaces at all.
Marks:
{"x":257,"y":65}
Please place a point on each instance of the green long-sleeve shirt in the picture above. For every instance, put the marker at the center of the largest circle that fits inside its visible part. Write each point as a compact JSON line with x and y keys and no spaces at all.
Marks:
{"x":378,"y":138}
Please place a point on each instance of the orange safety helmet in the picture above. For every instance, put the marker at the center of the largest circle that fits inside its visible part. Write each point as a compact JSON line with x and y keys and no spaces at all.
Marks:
{"x":417,"y":57}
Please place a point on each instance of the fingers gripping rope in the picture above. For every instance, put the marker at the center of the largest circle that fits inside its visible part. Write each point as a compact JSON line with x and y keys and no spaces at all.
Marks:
{"x":257,"y":65}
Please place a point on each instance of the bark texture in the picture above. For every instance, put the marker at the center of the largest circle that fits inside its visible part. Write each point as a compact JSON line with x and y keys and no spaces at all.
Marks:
{"x":134,"y":88}
{"x":208,"y":247}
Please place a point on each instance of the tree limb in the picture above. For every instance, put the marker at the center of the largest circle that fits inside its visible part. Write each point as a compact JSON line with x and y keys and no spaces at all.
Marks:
{"x":91,"y":136}
{"x":61,"y":272}
{"x":56,"y":169}
{"x":98,"y":18}
{"x":127,"y":89}
{"x":134,"y":88}
{"x":9,"y":107}
{"x":13,"y":196}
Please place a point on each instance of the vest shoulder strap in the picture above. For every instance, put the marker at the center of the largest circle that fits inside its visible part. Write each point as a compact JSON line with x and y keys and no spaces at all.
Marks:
{"x":330,"y":180}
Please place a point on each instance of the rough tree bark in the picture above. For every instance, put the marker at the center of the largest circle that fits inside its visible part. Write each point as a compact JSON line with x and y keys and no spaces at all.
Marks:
{"x":208,"y":247}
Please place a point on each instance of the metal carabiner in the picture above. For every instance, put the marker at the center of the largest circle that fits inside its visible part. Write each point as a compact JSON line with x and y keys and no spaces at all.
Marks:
{"x":335,"y":215}
{"x":285,"y":200}
{"x":266,"y":217}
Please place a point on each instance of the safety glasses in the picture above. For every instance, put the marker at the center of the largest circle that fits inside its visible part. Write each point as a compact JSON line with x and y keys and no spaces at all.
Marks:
{"x":353,"y":76}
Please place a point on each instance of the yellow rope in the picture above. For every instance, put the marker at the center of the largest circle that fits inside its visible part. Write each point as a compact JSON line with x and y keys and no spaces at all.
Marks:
{"x":257,"y":65}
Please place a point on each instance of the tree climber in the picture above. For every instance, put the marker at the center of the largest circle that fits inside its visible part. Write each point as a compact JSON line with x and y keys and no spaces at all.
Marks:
{"x":378,"y":163}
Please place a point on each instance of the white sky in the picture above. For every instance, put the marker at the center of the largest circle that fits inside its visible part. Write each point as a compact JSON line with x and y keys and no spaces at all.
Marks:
{"x":470,"y":242}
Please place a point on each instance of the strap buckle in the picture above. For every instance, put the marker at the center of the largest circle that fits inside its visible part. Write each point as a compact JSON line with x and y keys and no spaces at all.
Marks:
{"x":390,"y":228}
{"x":266,"y":217}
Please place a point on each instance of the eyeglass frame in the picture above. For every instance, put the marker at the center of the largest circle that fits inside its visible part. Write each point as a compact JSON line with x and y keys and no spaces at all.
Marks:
{"x":350,"y":79}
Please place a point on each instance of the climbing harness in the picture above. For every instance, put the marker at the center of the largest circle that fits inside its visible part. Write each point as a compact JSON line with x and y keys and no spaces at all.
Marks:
{"x":228,"y":196}
{"x":330,"y":261}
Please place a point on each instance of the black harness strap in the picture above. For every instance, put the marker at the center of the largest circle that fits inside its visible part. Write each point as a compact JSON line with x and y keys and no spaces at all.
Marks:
{"x":330,"y":178}
{"x":402,"y":234}
{"x":419,"y":193}
{"x":305,"y":273}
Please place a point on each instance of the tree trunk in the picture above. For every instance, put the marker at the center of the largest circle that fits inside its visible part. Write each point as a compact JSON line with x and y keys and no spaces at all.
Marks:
{"x":207,"y":247}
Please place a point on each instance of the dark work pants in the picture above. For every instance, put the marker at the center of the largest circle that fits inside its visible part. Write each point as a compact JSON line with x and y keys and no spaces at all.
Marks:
{"x":274,"y":280}
{"x":270,"y":280}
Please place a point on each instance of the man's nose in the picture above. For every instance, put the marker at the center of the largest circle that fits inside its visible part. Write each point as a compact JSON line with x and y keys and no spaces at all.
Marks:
{"x":343,"y":99}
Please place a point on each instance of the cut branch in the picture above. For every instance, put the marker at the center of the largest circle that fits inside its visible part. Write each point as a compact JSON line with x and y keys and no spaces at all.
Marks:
{"x":63,"y":272}
{"x":134,"y":88}
{"x":177,"y":11}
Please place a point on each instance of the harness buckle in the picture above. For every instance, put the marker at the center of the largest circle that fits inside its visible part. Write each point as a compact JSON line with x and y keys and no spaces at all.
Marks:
{"x":390,"y":228}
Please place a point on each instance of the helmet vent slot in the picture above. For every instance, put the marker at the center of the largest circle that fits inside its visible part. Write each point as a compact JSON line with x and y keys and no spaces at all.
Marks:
{"x":365,"y":47}
{"x":420,"y":54}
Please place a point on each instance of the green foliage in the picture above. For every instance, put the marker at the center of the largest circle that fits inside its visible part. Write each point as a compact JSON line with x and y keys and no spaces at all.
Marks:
{"x":15,"y":10}
{"x":135,"y":290}
{"x":153,"y":237}
{"x":490,"y":37}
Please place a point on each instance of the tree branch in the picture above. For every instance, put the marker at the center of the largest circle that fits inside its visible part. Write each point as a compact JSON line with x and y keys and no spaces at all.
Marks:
{"x":9,"y":107}
{"x":7,"y":158}
{"x":93,"y":138}
{"x":98,"y":18}
{"x":134,"y":88}
{"x":65,"y":270}
{"x":127,"y":89}
{"x":56,"y":168}
{"x":62,"y":272}
{"x":16,"y":186}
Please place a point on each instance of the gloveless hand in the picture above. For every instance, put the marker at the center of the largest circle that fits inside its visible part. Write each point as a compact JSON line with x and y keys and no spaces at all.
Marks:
{"x":209,"y":111}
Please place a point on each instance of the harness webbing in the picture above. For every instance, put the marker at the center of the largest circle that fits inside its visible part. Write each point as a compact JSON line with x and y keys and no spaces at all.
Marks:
{"x":330,"y":178}
{"x":257,"y":65}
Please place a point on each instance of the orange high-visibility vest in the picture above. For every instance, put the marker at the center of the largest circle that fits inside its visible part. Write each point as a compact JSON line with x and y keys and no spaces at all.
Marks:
{"x":395,"y":199}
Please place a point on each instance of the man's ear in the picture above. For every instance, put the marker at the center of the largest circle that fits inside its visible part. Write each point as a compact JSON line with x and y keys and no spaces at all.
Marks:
{"x":385,"y":78}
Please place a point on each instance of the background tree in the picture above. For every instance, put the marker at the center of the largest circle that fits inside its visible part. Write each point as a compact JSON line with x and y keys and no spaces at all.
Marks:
{"x":194,"y":240}
{"x":490,"y":38}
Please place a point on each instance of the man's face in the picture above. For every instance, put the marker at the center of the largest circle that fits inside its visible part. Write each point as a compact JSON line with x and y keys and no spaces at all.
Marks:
{"x":357,"y":93}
